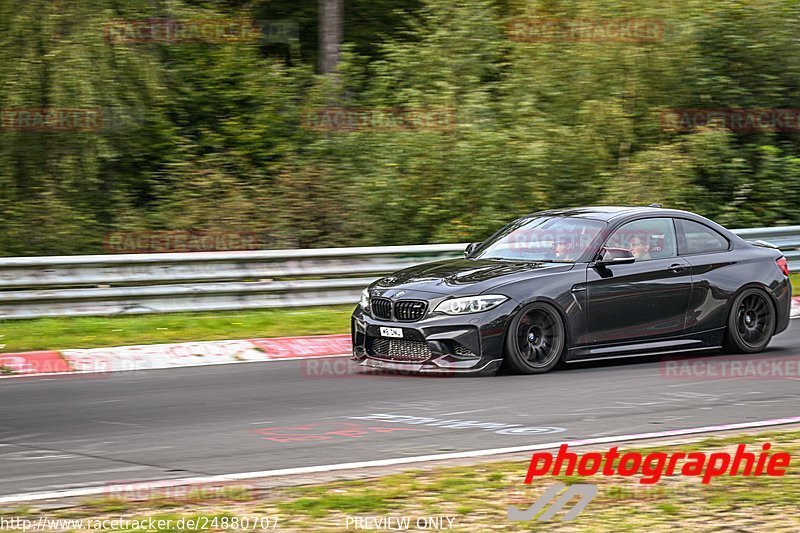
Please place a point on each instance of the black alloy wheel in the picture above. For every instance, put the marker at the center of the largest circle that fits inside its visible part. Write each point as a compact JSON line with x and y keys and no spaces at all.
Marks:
{"x":751,"y":323}
{"x":536,"y":339}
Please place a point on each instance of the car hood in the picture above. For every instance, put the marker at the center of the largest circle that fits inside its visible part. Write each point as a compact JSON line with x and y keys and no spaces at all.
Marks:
{"x":462,"y":276}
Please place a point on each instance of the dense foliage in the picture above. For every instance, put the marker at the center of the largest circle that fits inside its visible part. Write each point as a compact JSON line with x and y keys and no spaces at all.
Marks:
{"x":211,"y":137}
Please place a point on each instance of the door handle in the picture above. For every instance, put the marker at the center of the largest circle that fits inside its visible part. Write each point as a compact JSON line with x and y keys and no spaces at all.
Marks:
{"x":677,"y":267}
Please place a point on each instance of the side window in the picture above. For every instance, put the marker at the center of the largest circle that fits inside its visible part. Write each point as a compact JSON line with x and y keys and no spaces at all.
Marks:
{"x":649,"y":238}
{"x":699,"y":239}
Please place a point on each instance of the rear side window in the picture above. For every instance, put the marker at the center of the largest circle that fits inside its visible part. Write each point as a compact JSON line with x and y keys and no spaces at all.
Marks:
{"x":698,"y":238}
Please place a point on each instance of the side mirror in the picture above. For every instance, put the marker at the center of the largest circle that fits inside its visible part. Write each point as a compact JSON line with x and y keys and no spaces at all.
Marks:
{"x":470,"y":248}
{"x":615,"y":256}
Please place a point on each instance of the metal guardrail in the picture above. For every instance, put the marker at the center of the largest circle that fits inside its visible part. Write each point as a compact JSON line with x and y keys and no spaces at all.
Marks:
{"x":198,"y":281}
{"x":202,"y":281}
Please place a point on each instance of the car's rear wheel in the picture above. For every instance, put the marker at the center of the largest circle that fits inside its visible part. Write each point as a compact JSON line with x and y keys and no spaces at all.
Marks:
{"x":751,"y":323}
{"x":535,"y":340}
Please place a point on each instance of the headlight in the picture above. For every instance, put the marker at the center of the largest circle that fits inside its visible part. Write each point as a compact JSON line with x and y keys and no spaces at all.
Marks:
{"x":364,"y":303}
{"x":470,"y":304}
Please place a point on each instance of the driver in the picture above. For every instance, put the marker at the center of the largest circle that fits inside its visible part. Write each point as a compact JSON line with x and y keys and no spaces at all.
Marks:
{"x":561,"y":249}
{"x":640,"y":250}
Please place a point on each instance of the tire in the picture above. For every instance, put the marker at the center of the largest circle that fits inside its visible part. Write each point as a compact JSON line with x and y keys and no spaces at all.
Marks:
{"x":535,"y":340}
{"x":751,"y":322}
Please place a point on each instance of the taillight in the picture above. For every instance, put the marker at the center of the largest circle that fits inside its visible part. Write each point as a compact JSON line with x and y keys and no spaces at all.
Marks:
{"x":783,"y":266}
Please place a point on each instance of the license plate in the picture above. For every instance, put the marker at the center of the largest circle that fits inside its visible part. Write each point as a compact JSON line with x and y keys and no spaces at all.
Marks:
{"x":396,"y":333}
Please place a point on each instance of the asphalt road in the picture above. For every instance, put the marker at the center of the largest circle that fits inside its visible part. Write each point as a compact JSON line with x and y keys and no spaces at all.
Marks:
{"x":73,"y":431}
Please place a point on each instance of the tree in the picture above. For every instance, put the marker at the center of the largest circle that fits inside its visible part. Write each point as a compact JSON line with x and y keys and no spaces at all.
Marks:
{"x":331,"y":23}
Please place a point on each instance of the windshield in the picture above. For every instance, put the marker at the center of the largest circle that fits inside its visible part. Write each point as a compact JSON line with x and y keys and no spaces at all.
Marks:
{"x":558,"y":239}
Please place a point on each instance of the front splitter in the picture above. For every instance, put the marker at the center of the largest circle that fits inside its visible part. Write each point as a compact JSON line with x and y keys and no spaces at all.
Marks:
{"x":420,"y":368}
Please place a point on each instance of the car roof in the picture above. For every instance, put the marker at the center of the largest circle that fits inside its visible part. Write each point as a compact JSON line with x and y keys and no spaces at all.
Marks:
{"x":607,"y":213}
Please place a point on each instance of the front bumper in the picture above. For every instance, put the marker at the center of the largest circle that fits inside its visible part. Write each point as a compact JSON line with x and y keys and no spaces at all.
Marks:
{"x":436,"y":344}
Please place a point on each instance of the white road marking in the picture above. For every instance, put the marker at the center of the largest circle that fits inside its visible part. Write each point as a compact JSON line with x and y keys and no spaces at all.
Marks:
{"x":110,"y":453}
{"x":38,"y":455}
{"x":114,"y":423}
{"x":465,"y":412}
{"x":96,"y":490}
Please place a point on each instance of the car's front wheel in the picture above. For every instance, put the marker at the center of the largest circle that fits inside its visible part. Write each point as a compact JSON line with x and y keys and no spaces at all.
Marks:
{"x":751,"y":323}
{"x":535,"y":340}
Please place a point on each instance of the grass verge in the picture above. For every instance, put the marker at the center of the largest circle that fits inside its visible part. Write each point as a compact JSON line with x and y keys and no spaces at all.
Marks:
{"x":476,"y":498}
{"x":96,"y":332}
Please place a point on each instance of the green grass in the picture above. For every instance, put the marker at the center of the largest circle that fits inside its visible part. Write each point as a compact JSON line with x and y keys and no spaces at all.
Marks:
{"x":95,"y":332}
{"x":375,"y":502}
{"x":795,"y":277}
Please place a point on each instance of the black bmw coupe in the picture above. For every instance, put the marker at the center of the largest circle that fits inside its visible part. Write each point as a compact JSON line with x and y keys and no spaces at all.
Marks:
{"x":571,"y":285}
